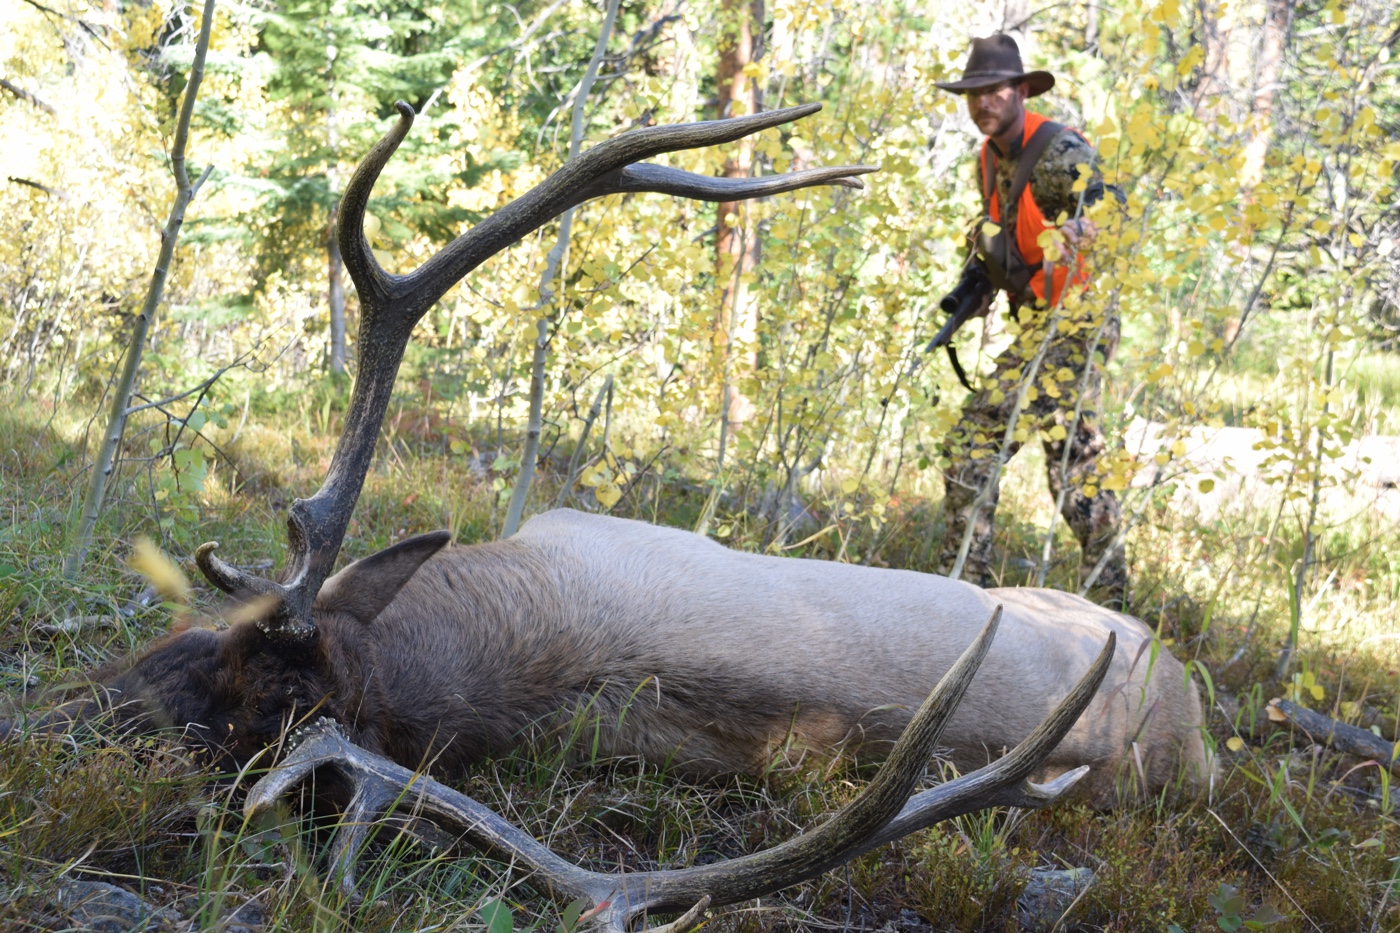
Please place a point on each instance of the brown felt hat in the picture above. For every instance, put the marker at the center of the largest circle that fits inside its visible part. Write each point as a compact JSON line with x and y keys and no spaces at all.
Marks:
{"x":993,"y":60}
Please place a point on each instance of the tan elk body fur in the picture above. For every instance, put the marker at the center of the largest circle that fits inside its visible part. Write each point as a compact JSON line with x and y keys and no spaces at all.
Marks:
{"x":681,"y":650}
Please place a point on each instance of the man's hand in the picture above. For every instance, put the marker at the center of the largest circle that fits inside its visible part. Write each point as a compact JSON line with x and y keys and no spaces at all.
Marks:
{"x":1079,"y":233}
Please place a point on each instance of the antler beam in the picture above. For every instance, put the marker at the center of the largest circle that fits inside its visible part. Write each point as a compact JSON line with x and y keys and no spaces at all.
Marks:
{"x":391,"y":306}
{"x":881,"y":813}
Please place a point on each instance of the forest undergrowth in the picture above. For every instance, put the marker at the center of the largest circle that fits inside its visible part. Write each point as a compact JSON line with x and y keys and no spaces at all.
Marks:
{"x":1291,"y":836}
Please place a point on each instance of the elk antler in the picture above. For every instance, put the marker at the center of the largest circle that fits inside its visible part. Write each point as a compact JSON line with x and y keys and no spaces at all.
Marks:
{"x":882,"y":812}
{"x":391,"y":305}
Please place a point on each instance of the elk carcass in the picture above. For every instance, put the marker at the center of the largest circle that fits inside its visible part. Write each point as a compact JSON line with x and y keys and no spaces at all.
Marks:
{"x":663,"y":644}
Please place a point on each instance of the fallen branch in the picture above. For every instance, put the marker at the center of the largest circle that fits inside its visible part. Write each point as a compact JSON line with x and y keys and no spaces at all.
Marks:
{"x":1337,"y":735}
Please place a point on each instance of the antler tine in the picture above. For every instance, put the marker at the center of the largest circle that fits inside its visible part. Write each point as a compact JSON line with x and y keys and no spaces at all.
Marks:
{"x":673,"y":181}
{"x":369,"y":277}
{"x":229,"y":578}
{"x":1005,"y":782}
{"x":324,"y":744}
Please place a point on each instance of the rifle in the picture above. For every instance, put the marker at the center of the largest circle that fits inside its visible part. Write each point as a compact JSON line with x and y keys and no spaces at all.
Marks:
{"x":962,"y":304}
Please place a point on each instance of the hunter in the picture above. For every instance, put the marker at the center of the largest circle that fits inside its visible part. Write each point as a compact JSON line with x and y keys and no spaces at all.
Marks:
{"x":1029,"y":167}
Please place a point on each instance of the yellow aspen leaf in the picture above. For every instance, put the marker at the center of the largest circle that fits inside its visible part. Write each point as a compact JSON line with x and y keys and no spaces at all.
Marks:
{"x":1178,"y":447}
{"x":1090,"y":490}
{"x":160,"y":571}
{"x":850,"y":485}
{"x":1234,"y":743}
{"x":1195,"y":348}
{"x":990,"y":229}
{"x":1193,"y":57}
{"x":1206,"y":485}
{"x":1057,"y":432}
{"x":608,"y":495}
{"x":251,"y":611}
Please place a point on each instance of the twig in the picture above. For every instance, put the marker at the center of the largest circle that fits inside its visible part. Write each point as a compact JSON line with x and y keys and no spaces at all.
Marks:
{"x":51,"y":192}
{"x":199,"y":388}
{"x":28,"y":97}
{"x":593,"y":412}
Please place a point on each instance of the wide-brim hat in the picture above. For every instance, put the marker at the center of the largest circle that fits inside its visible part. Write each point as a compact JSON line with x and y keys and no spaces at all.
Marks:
{"x":993,"y":60}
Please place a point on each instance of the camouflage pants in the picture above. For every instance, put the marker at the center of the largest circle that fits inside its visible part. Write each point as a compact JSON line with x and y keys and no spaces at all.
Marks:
{"x":972,"y":448}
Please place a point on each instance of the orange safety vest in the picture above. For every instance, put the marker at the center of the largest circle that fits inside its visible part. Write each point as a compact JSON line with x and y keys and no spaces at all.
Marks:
{"x":1031,"y":223}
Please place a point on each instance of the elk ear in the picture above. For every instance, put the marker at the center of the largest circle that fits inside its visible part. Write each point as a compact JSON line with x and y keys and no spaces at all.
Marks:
{"x":365,"y":587}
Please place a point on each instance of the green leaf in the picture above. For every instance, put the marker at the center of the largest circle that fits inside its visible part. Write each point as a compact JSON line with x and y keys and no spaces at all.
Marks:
{"x":1228,"y":903}
{"x":497,"y":917}
{"x":568,"y":920}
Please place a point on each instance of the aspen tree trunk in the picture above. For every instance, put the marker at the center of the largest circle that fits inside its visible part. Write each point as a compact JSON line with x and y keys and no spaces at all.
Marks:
{"x":105,"y":464}
{"x":1213,"y":95}
{"x":515,"y":511}
{"x":336,"y":296}
{"x":737,"y":250}
{"x":1277,"y":17}
{"x":335,"y":268}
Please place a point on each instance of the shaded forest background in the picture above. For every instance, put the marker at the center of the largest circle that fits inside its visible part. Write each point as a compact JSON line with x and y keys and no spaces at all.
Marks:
{"x":753,"y":371}
{"x":1254,"y":263}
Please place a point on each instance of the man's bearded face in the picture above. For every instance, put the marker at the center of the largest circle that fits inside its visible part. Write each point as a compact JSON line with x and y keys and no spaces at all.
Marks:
{"x":996,"y":109}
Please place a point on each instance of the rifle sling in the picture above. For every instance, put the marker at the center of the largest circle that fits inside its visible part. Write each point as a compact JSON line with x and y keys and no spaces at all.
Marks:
{"x":957,"y":367}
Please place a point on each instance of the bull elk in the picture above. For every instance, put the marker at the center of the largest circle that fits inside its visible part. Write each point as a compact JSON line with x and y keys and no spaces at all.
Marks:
{"x":675,"y":649}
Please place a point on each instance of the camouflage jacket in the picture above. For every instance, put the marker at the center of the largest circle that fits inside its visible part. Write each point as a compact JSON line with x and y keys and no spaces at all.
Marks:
{"x":1052,"y":179}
